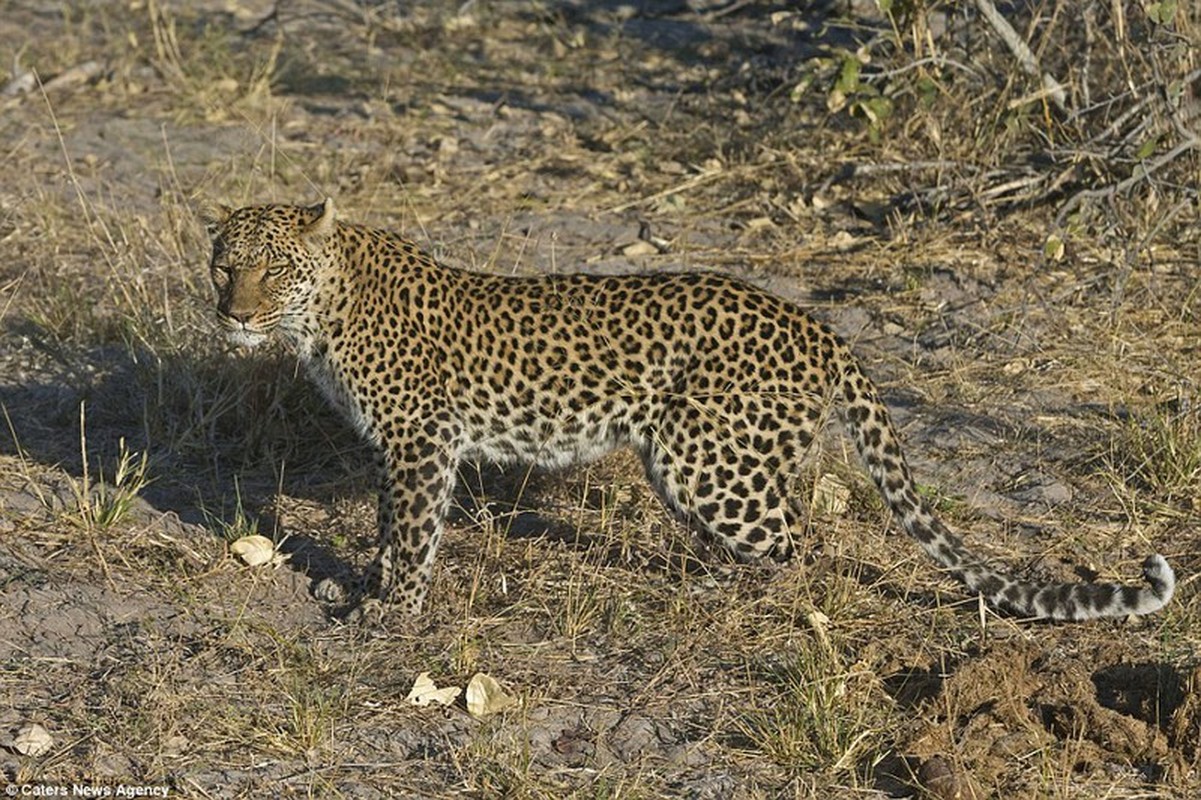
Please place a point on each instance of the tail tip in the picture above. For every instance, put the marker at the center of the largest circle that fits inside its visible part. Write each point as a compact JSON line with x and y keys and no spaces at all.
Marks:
{"x":1162,"y":579}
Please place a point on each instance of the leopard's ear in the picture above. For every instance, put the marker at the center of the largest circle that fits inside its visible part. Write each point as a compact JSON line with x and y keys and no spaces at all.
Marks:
{"x":212,"y":214}
{"x":322,"y":227}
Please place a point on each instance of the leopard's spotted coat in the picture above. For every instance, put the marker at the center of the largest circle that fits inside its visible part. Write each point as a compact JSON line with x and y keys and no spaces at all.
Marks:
{"x":719,"y":386}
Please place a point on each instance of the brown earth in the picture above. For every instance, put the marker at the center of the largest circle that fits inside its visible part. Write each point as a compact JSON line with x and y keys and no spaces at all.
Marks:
{"x":1046,"y":399}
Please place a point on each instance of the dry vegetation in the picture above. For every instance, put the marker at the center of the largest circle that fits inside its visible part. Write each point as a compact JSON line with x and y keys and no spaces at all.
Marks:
{"x":1019,"y":271}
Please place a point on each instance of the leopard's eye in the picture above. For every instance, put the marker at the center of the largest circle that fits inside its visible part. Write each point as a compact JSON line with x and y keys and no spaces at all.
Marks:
{"x":222,"y":272}
{"x":275,"y":270}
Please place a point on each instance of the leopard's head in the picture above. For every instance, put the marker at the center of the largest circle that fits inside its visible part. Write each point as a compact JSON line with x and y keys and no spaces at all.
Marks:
{"x":265,"y":265}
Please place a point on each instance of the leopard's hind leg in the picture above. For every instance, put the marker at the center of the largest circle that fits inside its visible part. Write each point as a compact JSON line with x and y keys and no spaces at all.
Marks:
{"x":726,"y":463}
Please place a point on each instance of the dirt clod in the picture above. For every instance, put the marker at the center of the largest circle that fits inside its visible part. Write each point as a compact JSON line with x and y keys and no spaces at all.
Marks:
{"x":941,"y":781}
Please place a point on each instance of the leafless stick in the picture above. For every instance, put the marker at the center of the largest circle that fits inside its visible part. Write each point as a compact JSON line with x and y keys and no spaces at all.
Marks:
{"x":1021,"y":51}
{"x":938,"y":60}
{"x":1018,"y":183}
{"x":852,"y":170}
{"x":1141,"y":173}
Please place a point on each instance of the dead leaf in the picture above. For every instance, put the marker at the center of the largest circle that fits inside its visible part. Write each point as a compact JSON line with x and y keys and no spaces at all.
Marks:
{"x":33,"y":740}
{"x":1054,"y":248}
{"x":843,"y":241}
{"x":255,"y":550}
{"x":821,"y":625}
{"x":484,"y":696}
{"x":759,"y":224}
{"x":830,"y":496}
{"x":425,"y":691}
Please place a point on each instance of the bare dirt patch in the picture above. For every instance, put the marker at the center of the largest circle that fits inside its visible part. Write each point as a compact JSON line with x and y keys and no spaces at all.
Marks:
{"x":903,"y":180}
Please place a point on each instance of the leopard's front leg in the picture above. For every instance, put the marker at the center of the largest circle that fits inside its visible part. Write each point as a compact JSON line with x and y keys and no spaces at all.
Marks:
{"x":416,"y":482}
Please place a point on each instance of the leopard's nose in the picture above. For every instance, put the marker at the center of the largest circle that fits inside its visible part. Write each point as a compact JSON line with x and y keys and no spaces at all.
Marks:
{"x":238,"y":312}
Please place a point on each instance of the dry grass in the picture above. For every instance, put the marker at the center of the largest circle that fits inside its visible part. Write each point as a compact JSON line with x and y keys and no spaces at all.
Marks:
{"x":1047,"y":399}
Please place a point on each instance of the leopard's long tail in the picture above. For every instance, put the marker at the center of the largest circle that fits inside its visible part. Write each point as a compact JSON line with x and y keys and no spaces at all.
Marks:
{"x":870,"y":426}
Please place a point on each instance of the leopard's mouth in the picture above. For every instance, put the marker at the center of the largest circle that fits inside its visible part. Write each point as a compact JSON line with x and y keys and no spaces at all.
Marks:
{"x":242,"y":334}
{"x":245,"y":338}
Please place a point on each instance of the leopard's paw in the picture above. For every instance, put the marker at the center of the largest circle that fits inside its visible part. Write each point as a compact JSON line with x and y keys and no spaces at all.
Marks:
{"x":330,"y":590}
{"x":367,"y":614}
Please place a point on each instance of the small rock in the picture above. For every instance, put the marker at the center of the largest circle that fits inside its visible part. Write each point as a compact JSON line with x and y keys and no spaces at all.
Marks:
{"x":255,"y":550}
{"x":639,"y":248}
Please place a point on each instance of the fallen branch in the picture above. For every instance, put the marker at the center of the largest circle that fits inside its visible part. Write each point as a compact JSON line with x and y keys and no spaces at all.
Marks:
{"x":851,"y":170}
{"x":1021,"y":51}
{"x":25,"y":81}
{"x":1141,"y":173}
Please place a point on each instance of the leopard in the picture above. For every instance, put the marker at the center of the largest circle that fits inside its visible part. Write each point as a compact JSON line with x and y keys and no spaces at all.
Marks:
{"x":718,"y":385}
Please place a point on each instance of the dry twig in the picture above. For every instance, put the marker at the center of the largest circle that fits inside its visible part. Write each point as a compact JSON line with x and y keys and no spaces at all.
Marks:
{"x":1021,"y":51}
{"x":1142,"y":172}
